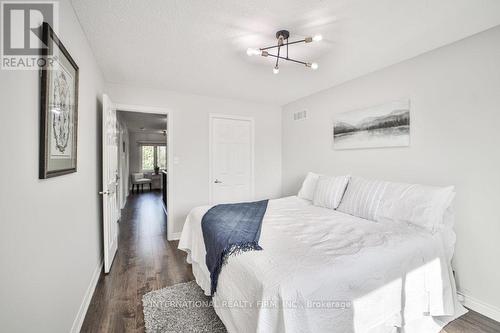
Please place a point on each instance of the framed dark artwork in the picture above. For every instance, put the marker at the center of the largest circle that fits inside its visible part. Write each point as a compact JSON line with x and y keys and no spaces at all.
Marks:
{"x":58,"y":108}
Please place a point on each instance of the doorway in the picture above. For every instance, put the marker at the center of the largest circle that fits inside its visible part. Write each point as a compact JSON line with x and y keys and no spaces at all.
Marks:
{"x":136,"y":151}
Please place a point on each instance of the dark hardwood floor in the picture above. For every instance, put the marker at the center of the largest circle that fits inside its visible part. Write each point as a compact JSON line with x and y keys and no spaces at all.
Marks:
{"x":147,"y":261}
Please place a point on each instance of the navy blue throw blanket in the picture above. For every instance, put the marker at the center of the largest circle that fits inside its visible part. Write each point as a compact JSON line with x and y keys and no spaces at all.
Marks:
{"x":229,"y":229}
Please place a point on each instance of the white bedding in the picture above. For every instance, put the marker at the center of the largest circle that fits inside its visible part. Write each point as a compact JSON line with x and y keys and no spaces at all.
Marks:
{"x":325,"y":271}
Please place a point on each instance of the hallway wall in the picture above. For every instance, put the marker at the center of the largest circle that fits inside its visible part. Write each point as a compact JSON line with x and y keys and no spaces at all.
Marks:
{"x":50,"y":230}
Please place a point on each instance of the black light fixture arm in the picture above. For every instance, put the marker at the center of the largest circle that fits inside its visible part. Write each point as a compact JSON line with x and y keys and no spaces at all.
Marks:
{"x":284,"y":44}
{"x":286,"y":58}
{"x":278,"y":57}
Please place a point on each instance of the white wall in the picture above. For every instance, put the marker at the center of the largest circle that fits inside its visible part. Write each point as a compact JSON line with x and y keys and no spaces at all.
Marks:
{"x":190,"y":142}
{"x":455,"y":96}
{"x":50,"y":230}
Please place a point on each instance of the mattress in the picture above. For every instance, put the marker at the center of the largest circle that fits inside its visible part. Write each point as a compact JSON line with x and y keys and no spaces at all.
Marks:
{"x":321,"y":270}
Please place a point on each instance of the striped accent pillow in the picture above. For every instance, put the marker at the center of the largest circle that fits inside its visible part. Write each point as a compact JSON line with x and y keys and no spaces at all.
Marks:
{"x":329,"y":191}
{"x":362,"y":198}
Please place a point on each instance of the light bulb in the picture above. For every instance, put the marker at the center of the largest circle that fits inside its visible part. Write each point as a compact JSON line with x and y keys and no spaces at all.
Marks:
{"x":314,"y":66}
{"x":317,"y":38}
{"x":251,"y":52}
{"x":276,"y":70}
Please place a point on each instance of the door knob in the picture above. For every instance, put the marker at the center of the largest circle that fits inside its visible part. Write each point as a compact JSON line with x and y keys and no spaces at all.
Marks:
{"x":104,"y":192}
{"x":217,"y":181}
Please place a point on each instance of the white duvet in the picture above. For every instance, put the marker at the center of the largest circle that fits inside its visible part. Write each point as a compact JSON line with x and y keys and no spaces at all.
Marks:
{"x":325,"y":271}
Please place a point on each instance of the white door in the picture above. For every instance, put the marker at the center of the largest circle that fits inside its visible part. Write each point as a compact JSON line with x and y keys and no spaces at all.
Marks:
{"x":109,"y":181}
{"x":231,"y":159}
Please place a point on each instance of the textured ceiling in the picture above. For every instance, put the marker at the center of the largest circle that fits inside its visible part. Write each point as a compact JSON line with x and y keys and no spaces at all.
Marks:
{"x":198,"y":46}
{"x":148,"y":122}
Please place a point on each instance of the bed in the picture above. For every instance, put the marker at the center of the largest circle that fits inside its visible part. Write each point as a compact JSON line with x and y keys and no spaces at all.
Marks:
{"x":322,"y":270}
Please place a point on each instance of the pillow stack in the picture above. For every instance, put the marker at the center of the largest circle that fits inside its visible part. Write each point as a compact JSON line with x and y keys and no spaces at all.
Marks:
{"x":380,"y":201}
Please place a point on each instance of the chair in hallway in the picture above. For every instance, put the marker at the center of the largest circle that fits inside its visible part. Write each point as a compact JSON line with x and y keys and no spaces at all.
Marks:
{"x":138,"y":178}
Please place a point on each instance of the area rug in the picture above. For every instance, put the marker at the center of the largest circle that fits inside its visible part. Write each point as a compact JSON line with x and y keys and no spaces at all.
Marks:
{"x":180,"y":308}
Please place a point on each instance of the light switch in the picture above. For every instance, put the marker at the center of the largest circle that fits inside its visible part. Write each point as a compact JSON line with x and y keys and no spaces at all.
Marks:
{"x":177,"y":160}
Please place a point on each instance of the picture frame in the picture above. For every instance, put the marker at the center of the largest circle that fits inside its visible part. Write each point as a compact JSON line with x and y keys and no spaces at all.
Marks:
{"x":381,"y":126}
{"x":58,"y":108}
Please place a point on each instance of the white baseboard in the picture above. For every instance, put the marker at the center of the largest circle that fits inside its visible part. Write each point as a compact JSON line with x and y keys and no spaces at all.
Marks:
{"x":175,"y":236}
{"x":80,"y":316}
{"x":485,"y":309}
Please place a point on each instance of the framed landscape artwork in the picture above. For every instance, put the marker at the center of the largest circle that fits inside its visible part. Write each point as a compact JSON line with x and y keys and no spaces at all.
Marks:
{"x":386,"y":125}
{"x":58,"y":108}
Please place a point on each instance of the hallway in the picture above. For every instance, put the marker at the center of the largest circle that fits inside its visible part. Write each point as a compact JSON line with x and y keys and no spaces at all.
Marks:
{"x":145,"y":261}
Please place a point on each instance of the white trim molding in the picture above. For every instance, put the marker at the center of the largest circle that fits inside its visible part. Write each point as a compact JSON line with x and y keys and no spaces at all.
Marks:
{"x":485,"y":309}
{"x":87,"y":297}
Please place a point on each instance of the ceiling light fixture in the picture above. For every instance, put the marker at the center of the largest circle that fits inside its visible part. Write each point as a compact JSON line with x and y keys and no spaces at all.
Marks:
{"x":317,"y":38}
{"x":283,"y":42}
{"x":252,"y":52}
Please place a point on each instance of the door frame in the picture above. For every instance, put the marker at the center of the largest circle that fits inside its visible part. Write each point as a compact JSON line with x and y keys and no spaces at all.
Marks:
{"x":111,"y":215}
{"x":124,"y":190}
{"x":170,"y":156}
{"x":211,"y":117}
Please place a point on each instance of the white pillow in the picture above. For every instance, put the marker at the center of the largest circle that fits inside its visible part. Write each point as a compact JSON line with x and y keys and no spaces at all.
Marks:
{"x":362,"y":197}
{"x":382,"y":201}
{"x":308,"y":186}
{"x":329,"y":191}
{"x":421,"y":205}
